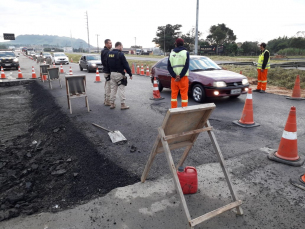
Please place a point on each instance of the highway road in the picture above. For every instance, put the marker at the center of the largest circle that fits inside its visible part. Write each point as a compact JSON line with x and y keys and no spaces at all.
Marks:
{"x":269,"y":200}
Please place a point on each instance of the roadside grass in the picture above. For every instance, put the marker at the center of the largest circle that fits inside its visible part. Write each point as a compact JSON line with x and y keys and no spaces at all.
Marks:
{"x":276,"y":76}
{"x":75,"y":57}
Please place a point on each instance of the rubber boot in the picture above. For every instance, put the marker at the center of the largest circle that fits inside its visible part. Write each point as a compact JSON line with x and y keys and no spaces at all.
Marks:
{"x":107,"y":103}
{"x":124,"y":107}
{"x":112,"y":105}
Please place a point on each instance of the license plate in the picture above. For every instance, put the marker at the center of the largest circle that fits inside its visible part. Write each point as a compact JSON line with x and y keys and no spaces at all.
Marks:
{"x":7,"y":64}
{"x":235,"y":91}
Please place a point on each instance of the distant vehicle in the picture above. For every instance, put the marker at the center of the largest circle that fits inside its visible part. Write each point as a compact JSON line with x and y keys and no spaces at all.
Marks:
{"x":138,"y":51}
{"x":8,"y":59}
{"x":142,"y":52}
{"x":60,"y":58}
{"x":32,"y":53}
{"x":206,"y":79}
{"x":90,"y":62}
{"x":46,"y":55}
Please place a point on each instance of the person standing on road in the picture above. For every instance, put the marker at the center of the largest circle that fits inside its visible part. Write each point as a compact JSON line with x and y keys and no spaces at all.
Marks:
{"x":104,"y":56}
{"x":117,"y":63}
{"x":178,"y":66}
{"x":263,"y":64}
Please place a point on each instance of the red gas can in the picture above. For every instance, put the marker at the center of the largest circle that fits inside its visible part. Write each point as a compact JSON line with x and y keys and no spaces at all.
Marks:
{"x":188,"y":179}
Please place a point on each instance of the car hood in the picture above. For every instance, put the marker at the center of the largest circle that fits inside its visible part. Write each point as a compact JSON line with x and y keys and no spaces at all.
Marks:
{"x":220,"y":75}
{"x":94,"y":62}
{"x":60,"y":57}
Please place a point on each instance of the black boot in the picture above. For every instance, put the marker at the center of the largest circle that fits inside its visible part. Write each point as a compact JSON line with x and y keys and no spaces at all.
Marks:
{"x":257,"y":90}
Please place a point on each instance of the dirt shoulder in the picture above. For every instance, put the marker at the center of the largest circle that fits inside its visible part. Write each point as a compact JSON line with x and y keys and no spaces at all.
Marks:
{"x":46,"y":164}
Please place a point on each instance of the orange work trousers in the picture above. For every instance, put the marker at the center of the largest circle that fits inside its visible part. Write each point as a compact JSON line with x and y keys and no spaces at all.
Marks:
{"x":262,"y":79}
{"x":182,"y":86}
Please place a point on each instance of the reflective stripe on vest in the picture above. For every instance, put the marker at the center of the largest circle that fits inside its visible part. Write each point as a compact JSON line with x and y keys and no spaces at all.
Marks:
{"x":261,"y":60}
{"x":177,"y":60}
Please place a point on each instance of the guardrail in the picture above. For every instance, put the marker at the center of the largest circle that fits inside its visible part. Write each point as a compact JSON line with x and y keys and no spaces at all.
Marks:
{"x":282,"y":65}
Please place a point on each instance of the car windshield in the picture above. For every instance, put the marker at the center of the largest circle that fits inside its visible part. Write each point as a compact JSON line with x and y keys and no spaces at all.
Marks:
{"x":59,"y":54}
{"x":7,"y":54}
{"x":93,"y":57}
{"x":203,"y":64}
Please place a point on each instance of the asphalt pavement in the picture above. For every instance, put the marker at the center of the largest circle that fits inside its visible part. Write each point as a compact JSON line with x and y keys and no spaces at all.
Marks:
{"x":269,"y":200}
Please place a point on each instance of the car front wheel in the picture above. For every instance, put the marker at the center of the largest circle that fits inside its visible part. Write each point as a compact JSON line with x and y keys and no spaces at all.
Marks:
{"x":80,"y":68}
{"x":198,"y":93}
{"x":88,"y":70}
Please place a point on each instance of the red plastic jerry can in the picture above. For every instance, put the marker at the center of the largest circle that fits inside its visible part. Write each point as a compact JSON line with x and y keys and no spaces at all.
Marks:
{"x":188,"y":179}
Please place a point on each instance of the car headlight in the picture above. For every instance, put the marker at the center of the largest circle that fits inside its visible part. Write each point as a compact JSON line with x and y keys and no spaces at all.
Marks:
{"x":245,"y":81}
{"x":16,"y":60}
{"x":219,"y":84}
{"x":93,"y":65}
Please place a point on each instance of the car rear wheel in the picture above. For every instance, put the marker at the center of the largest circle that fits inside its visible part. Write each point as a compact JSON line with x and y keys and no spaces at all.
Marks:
{"x":160,"y":86}
{"x":88,"y":70}
{"x":198,"y":93}
{"x":80,"y":68}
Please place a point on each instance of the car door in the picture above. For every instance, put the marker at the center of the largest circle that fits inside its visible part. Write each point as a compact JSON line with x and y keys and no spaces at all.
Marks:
{"x":163,"y":74}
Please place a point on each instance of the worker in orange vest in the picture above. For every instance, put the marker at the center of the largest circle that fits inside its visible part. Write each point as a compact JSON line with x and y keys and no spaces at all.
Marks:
{"x":178,"y":66}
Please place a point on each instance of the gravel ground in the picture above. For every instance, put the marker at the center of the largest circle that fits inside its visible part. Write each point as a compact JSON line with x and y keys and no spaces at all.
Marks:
{"x":46,"y":164}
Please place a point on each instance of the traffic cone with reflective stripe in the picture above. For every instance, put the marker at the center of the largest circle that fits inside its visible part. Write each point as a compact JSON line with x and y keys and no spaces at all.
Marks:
{"x":296,"y":93}
{"x":133,"y":70}
{"x":61,"y":69}
{"x":138,"y":70}
{"x":241,"y":72}
{"x":246,"y":119}
{"x":287,"y":152}
{"x":54,"y":65}
{"x":33,"y":73}
{"x":156,"y":92}
{"x":97,"y":77}
{"x":300,"y":183}
{"x":19,"y":73}
{"x":44,"y":62}
{"x":142,"y":71}
{"x":70,"y":71}
{"x":2,"y":73}
{"x":71,"y":60}
{"x":147,"y":70}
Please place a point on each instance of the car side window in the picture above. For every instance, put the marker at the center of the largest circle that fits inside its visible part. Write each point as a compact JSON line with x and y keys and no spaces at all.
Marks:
{"x":163,"y":64}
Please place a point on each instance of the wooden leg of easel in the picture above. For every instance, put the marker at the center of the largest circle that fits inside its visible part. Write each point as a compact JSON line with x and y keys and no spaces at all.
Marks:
{"x":184,"y":156}
{"x":223,"y":167}
{"x":60,"y":83}
{"x":87,"y":103}
{"x":174,"y":172}
{"x":150,"y":159}
{"x":70,"y":106}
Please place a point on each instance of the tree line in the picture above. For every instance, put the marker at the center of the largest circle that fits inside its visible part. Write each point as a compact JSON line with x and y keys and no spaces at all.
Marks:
{"x":221,"y":35}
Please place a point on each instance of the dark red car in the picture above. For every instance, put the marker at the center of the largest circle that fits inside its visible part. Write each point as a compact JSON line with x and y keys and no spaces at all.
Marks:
{"x":206,"y":78}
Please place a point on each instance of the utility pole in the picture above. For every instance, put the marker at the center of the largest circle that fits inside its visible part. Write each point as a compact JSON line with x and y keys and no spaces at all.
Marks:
{"x":196,"y":34}
{"x":164,"y":39}
{"x":71,"y":40}
{"x":135,"y":42}
{"x":88,"y":32}
{"x":97,"y":42}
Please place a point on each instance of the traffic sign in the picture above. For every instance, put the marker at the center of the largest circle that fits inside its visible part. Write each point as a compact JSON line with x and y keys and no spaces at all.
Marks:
{"x":9,"y":36}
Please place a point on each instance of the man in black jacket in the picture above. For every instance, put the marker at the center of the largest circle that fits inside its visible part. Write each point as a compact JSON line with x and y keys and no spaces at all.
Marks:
{"x":104,"y":56}
{"x":117,"y":63}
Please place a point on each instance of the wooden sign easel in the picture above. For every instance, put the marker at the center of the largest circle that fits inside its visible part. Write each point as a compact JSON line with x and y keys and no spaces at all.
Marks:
{"x":180,"y":128}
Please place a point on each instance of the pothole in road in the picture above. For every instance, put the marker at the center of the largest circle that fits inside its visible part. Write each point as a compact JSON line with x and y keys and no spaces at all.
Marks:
{"x":160,"y":107}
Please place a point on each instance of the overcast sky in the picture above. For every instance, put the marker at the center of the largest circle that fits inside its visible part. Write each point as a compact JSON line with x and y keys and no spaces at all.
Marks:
{"x":123,"y":20}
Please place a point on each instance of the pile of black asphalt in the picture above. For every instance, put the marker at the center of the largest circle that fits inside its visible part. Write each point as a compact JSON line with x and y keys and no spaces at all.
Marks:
{"x":46,"y":163}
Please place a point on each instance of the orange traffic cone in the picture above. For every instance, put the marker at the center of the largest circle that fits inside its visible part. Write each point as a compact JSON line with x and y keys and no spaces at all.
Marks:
{"x":33,"y":73}
{"x":54,"y":65}
{"x":70,"y":71}
{"x":241,"y":72}
{"x":296,"y":93}
{"x":2,"y":73}
{"x":61,"y":69}
{"x":246,"y":119}
{"x":44,"y":62}
{"x":156,"y":92}
{"x":19,"y":73}
{"x":147,"y":71}
{"x":287,"y":152}
{"x":132,"y":69}
{"x":71,"y":60}
{"x":97,"y":77}
{"x":138,"y":70}
{"x":300,"y":183}
{"x":142,"y":71}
